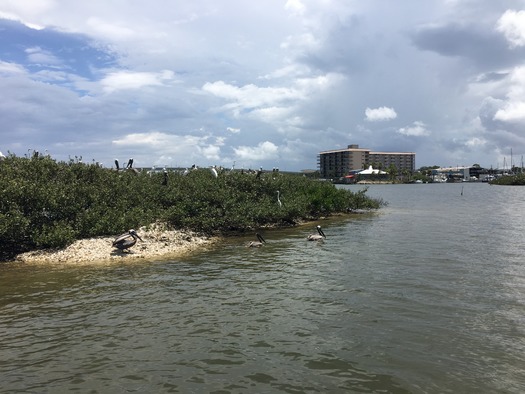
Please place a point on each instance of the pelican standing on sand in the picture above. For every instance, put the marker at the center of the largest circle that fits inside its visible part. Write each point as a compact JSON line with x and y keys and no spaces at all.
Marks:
{"x":126,"y":240}
{"x":257,"y":244}
{"x":317,"y":237}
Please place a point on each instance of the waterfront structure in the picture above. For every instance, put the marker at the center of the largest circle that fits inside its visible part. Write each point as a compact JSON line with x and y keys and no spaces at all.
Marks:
{"x":339,"y":163}
{"x":461,"y":174}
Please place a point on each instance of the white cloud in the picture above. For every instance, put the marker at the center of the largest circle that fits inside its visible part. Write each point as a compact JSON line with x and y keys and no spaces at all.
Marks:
{"x":512,"y":25}
{"x":264,"y":151}
{"x":512,"y":112}
{"x":418,"y":129}
{"x":41,"y":56}
{"x":26,"y":11}
{"x":11,"y":68}
{"x":154,"y":139}
{"x":295,"y":6}
{"x":272,"y":114}
{"x":380,"y":114}
{"x":476,"y":142}
{"x":108,"y":29}
{"x":512,"y":109}
{"x":280,"y":71}
{"x":125,"y":80}
{"x":250,"y":96}
{"x":182,"y":150}
{"x":211,"y":152}
{"x":271,"y":104}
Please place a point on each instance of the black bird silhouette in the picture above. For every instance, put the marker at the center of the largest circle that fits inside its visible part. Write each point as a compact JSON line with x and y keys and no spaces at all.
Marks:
{"x":126,"y":240}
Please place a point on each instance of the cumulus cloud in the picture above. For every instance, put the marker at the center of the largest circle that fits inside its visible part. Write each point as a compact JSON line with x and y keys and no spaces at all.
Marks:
{"x":380,"y":114}
{"x":511,"y":109}
{"x":11,"y":68}
{"x":512,"y":25}
{"x":155,"y":139}
{"x":418,"y":129}
{"x":126,"y":80}
{"x":15,"y":17}
{"x":92,"y":82}
{"x":249,"y":96}
{"x":263,"y":151}
{"x":512,"y":112}
{"x":272,"y":104}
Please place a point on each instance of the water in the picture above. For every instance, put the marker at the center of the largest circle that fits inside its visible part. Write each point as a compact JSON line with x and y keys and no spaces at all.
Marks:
{"x":426,"y":296}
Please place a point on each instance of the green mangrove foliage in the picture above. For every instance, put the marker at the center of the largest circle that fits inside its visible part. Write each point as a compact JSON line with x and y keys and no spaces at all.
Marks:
{"x":510,"y":180}
{"x":49,"y":204}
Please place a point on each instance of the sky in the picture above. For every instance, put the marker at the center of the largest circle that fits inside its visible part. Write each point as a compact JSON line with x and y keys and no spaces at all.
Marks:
{"x":269,"y":84}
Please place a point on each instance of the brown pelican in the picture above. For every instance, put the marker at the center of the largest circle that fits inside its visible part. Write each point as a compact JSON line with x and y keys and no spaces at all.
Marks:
{"x":126,"y":240}
{"x":257,"y":244}
{"x":317,"y":237}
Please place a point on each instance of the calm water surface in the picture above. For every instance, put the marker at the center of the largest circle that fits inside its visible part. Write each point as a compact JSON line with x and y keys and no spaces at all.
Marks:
{"x":426,"y":296}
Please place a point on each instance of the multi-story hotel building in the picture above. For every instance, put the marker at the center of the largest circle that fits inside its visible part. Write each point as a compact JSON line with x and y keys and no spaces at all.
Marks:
{"x":340,"y":162}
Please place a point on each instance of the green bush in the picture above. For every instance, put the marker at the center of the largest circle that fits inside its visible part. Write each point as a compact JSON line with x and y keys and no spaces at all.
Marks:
{"x":510,"y":180}
{"x":49,"y":204}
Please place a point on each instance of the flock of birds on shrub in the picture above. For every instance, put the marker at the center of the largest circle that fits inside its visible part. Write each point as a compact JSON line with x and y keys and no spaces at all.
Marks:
{"x":125,"y":241}
{"x":129,"y":239}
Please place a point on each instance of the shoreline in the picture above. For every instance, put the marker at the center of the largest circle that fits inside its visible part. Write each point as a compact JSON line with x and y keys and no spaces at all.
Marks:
{"x":158,"y":242}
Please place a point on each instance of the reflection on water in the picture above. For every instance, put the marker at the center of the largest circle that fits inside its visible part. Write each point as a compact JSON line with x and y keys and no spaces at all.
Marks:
{"x":425,"y":296}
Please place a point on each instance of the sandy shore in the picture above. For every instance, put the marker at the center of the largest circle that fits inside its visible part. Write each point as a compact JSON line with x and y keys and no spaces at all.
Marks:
{"x":158,"y":242}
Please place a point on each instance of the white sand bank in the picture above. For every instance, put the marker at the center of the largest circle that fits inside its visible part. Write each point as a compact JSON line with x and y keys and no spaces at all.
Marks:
{"x":158,"y":242}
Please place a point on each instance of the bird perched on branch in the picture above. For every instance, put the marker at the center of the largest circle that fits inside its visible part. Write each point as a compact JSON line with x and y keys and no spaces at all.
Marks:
{"x":279,"y":199}
{"x":126,"y":240}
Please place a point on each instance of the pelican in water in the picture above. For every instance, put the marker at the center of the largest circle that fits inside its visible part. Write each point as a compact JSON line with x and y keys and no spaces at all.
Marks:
{"x":126,"y":240}
{"x":257,"y":244}
{"x":317,"y":237}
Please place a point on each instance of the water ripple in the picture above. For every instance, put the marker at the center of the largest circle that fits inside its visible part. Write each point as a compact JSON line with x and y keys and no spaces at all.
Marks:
{"x":426,"y":296}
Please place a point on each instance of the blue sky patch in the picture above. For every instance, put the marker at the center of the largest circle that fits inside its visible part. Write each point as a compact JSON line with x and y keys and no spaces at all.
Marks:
{"x":46,"y":49}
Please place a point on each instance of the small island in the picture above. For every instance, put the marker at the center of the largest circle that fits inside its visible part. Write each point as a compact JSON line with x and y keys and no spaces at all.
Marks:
{"x":57,"y":211}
